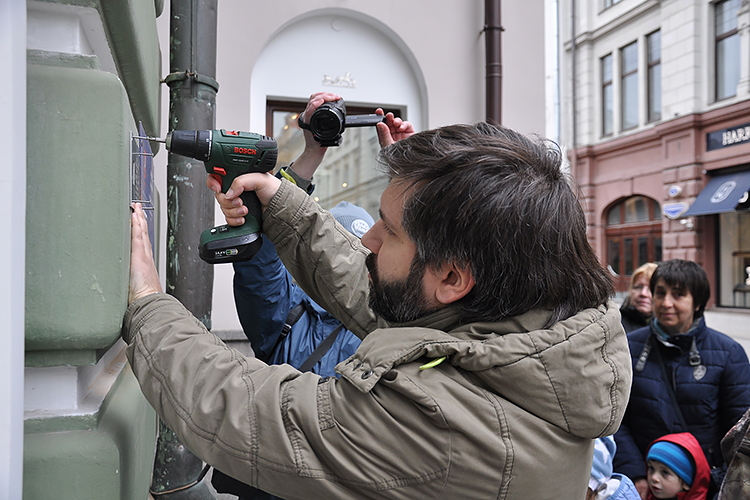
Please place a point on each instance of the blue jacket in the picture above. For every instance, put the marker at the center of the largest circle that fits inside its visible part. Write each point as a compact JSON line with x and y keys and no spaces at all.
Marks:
{"x":623,"y":487}
{"x":711,"y":399}
{"x":264,"y":294}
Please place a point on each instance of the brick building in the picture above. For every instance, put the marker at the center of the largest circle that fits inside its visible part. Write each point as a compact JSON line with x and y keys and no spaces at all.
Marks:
{"x":656,"y":113}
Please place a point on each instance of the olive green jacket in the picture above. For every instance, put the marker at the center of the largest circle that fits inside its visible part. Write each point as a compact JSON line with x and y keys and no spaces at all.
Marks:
{"x":511,"y":413}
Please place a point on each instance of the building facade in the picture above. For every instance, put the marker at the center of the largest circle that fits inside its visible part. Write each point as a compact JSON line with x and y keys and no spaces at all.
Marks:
{"x":655,"y":113}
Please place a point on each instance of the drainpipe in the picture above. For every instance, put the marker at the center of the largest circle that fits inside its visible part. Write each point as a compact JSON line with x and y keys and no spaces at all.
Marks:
{"x":178,"y":473}
{"x":494,"y":65}
{"x":573,"y":91}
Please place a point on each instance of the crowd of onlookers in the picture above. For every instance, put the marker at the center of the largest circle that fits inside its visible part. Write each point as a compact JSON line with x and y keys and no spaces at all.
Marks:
{"x":684,"y":431}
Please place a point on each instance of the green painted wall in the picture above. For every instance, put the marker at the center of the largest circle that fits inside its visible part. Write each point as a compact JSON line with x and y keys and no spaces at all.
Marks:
{"x":79,"y":125}
{"x":77,"y":205}
{"x":109,"y":455}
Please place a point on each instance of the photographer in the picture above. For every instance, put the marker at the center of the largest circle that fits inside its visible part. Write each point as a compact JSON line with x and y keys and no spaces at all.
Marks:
{"x":492,"y":356}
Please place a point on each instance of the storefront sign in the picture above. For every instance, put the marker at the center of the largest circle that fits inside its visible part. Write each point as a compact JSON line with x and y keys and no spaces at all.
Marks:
{"x":728,"y":137}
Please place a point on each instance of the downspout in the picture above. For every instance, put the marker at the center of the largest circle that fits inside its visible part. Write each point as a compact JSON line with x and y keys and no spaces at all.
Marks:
{"x":573,"y":90}
{"x":494,"y":66}
{"x":179,"y":474}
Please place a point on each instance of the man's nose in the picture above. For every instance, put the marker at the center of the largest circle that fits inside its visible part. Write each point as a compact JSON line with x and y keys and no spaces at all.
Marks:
{"x":371,"y":240}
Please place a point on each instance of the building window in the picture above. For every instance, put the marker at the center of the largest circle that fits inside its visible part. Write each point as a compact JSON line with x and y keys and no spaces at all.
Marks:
{"x":734,"y":259}
{"x":607,"y":96}
{"x":633,"y":237}
{"x":727,"y":49}
{"x":653,"y":42}
{"x":629,"y":85}
{"x":610,"y":3}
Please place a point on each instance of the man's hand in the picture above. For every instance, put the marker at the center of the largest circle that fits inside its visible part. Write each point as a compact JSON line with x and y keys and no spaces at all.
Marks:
{"x":144,"y":279}
{"x":265,"y":186}
{"x":311,"y":157}
{"x":393,"y":129}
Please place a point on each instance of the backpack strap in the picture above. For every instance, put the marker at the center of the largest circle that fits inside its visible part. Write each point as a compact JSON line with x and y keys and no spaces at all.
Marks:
{"x":320,"y":350}
{"x":294,"y":315}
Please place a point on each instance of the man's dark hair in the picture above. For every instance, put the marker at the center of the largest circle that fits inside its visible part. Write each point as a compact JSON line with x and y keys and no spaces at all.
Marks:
{"x":685,"y":274}
{"x":497,"y":201}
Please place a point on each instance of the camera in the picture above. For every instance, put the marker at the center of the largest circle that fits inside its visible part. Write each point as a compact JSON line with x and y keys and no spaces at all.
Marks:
{"x":329,"y":121}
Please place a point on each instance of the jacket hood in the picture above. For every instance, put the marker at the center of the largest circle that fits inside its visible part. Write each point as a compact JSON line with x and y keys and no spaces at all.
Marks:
{"x":575,"y":375}
{"x":699,"y":488}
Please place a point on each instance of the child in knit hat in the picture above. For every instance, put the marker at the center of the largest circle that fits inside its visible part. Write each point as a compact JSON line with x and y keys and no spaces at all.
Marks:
{"x":603,"y":484}
{"x":677,"y":468}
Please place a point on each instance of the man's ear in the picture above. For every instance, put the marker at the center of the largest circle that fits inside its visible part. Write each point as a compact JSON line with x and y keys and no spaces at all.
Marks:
{"x":454,"y":283}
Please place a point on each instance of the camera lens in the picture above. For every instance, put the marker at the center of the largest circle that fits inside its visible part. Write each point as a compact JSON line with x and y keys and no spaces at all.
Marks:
{"x":326,"y":126}
{"x":327,"y":122}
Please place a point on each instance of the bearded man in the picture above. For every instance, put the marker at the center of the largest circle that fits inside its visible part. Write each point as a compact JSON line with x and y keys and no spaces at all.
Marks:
{"x":492,"y":356}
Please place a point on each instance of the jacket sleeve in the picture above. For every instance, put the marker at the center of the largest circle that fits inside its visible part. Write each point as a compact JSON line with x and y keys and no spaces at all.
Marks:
{"x":327,"y":261}
{"x":263,"y":296}
{"x":224,"y":406}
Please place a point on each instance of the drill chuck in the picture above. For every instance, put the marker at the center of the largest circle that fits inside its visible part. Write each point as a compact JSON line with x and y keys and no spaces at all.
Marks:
{"x":191,"y":143}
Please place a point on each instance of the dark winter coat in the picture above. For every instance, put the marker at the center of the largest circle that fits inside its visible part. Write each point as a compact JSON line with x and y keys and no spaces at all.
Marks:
{"x":632,"y":319}
{"x":712,"y":395}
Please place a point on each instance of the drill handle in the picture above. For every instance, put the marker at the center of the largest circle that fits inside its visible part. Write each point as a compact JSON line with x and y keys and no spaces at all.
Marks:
{"x":249,"y":198}
{"x":254,"y":209}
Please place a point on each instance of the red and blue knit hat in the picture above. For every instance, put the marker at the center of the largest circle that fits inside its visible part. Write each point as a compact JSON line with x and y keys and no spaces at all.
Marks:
{"x":675,"y":457}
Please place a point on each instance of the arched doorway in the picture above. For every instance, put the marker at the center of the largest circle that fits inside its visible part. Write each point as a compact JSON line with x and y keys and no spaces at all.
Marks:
{"x":351,"y":52}
{"x":633,"y":232}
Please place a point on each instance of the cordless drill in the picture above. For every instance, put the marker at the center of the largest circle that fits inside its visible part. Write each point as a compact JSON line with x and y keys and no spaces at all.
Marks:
{"x":227,"y":155}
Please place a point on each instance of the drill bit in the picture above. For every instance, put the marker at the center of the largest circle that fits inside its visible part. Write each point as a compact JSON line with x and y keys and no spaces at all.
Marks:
{"x":154,"y":139}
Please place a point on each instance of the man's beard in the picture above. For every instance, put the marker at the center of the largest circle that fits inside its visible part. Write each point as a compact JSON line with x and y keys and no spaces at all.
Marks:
{"x":398,"y":301}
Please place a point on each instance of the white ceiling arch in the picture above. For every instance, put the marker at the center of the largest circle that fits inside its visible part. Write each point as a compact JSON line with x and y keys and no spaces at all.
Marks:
{"x":341,"y":51}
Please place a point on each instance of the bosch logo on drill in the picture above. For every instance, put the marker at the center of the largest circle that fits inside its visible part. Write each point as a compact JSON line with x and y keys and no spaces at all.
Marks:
{"x":245,"y":151}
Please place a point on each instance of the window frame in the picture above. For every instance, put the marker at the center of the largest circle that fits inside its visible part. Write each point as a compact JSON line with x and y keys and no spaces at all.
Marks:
{"x":629,"y":76}
{"x":719,"y":39}
{"x":653,"y":84}
{"x":607,"y":85}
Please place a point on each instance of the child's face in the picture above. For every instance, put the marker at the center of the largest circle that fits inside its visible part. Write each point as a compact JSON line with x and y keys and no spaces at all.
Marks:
{"x":663,"y":482}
